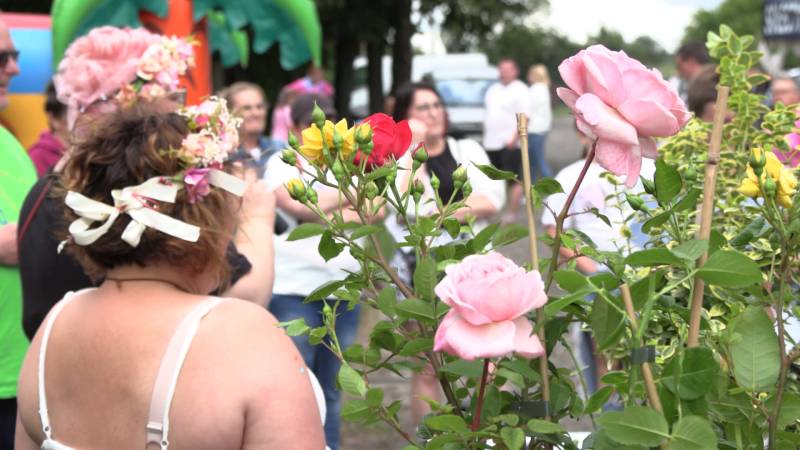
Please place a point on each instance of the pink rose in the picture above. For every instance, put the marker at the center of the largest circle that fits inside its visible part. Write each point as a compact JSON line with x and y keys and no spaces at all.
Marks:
{"x":489,"y":296}
{"x":792,"y":157}
{"x":622,"y":104}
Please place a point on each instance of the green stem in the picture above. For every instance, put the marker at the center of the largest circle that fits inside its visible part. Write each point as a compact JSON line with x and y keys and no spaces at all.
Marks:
{"x":785,"y":361}
{"x":476,"y":420}
{"x":563,"y":215}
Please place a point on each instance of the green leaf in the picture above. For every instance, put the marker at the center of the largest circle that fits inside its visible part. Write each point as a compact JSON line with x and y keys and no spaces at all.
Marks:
{"x":328,"y":248}
{"x":790,"y":409}
{"x":317,"y":334}
{"x":364,"y":230}
{"x":356,"y":410}
{"x":509,"y":234}
{"x":483,"y":238}
{"x":570,"y":280}
{"x":691,"y":250}
{"x":545,"y":426}
{"x":446,"y":422}
{"x":351,"y":381}
{"x":637,"y":425}
{"x":544,"y":187}
{"x":606,"y":323}
{"x":425,"y":277}
{"x":514,"y":438}
{"x":464,"y":368}
{"x":305,"y":230}
{"x":375,"y":397}
{"x":494,"y":173}
{"x":415,"y":308}
{"x":754,"y":350}
{"x":691,"y":374}
{"x":387,"y":299}
{"x":452,"y":226}
{"x":295,"y":327}
{"x":693,"y":433}
{"x":688,"y":202}
{"x":653,"y":257}
{"x":730,"y":269}
{"x":417,"y":346}
{"x":598,"y":399}
{"x":324,"y":291}
{"x":656,"y":221}
{"x":668,"y":182}
{"x":555,"y":305}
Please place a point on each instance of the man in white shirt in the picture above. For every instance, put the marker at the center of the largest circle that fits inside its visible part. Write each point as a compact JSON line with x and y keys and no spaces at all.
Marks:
{"x":503,"y":100}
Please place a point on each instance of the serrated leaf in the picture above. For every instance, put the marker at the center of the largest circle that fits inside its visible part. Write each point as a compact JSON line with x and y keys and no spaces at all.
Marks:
{"x":656,"y":221}
{"x":446,"y":422}
{"x":415,"y":308}
{"x":636,"y":425}
{"x":509,"y":234}
{"x":555,"y":305}
{"x":688,"y":202}
{"x":351,"y":381}
{"x":496,"y":174}
{"x":691,"y":374}
{"x":374,"y":397}
{"x":417,"y":346}
{"x":691,"y":250}
{"x":305,"y":230}
{"x":295,"y":327}
{"x":754,"y":350}
{"x":545,"y":426}
{"x":329,"y":248}
{"x":514,"y":438}
{"x":652,"y":257}
{"x":668,"y":182}
{"x":606,"y":323}
{"x":598,"y":399}
{"x":387,"y":299}
{"x":425,"y":277}
{"x":730,"y":269}
{"x":364,"y":230}
{"x":483,"y":238}
{"x":324,"y":291}
{"x":693,"y":433}
{"x":464,"y":368}
{"x":570,"y":280}
{"x":452,"y":226}
{"x":356,"y":410}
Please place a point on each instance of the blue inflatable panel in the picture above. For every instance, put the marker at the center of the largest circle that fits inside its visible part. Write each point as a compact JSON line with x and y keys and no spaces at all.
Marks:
{"x":35,"y":60}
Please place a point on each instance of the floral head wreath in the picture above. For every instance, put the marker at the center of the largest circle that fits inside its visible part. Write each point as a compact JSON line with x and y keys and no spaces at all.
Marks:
{"x":212,"y":139}
{"x":122,"y":64}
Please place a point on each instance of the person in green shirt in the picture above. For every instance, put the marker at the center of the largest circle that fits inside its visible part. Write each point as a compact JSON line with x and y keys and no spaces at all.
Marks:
{"x":17,"y":175}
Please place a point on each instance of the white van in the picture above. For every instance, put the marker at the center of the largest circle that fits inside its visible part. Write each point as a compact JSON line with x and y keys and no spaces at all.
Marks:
{"x":461,"y":78}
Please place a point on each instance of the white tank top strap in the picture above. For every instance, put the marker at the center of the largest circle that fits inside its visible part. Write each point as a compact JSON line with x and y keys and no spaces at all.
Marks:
{"x":167,"y":378}
{"x":48,"y":328}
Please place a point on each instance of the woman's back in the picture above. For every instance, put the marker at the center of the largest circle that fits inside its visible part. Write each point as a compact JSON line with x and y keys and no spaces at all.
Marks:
{"x":242,"y":384}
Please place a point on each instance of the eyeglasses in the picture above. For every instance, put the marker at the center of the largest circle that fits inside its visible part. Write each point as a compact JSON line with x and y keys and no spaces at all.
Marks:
{"x":6,"y":55}
{"x":435,"y":106}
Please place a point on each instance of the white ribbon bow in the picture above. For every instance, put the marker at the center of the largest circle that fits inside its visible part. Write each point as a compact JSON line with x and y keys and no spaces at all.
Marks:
{"x":135,"y":201}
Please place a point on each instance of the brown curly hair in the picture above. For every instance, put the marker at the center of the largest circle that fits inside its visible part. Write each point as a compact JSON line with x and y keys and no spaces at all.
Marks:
{"x":126,"y":148}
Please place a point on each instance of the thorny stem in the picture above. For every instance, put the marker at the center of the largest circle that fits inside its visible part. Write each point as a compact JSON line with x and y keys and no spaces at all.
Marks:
{"x":563,"y":215}
{"x":476,"y":420}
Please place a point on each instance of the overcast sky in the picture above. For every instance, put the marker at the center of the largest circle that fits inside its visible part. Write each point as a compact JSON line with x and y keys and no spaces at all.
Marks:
{"x":662,"y":20}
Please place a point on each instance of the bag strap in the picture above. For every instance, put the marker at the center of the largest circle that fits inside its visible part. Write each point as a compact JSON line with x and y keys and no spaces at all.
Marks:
{"x":32,"y":214}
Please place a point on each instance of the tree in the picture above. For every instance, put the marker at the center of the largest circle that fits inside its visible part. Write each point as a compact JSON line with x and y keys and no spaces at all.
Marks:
{"x":470,"y":24}
{"x":743,"y":16}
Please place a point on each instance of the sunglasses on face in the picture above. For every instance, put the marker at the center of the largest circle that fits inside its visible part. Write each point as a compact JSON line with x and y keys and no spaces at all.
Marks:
{"x":7,"y":55}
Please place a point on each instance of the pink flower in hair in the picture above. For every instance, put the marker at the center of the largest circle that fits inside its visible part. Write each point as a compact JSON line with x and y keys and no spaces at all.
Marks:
{"x":152,"y":91}
{"x":98,"y":64}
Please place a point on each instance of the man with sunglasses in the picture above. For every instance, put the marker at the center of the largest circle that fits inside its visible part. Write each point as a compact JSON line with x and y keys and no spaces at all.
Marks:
{"x":17,"y":175}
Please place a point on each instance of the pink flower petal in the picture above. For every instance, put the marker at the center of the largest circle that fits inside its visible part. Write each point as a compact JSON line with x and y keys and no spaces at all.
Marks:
{"x":645,"y":84}
{"x":526,"y":344}
{"x":649,"y":148}
{"x":649,"y":118}
{"x":613,"y":156}
{"x":606,"y":123}
{"x":466,"y":341}
{"x":573,"y":72}
{"x":603,"y":78}
{"x":568,"y":96}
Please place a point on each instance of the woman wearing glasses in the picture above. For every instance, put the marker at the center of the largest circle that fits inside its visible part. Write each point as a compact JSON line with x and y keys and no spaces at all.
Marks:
{"x":421,"y":102}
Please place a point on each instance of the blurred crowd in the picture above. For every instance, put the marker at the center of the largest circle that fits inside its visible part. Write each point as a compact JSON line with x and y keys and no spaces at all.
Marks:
{"x":261,"y":265}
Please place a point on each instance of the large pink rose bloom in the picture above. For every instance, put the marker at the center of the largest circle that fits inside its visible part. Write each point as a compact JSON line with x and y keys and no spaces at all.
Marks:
{"x":489,"y":296}
{"x":623,"y":105}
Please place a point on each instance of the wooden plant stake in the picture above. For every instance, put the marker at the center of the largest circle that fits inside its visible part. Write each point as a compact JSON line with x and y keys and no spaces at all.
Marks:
{"x":522,"y":129}
{"x":707,"y":209}
{"x":652,"y":393}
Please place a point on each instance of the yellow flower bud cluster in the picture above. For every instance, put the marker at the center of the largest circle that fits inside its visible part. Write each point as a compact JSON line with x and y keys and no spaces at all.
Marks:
{"x":766,"y":176}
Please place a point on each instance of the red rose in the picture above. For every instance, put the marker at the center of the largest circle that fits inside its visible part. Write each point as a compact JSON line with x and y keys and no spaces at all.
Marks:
{"x":390,"y":139}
